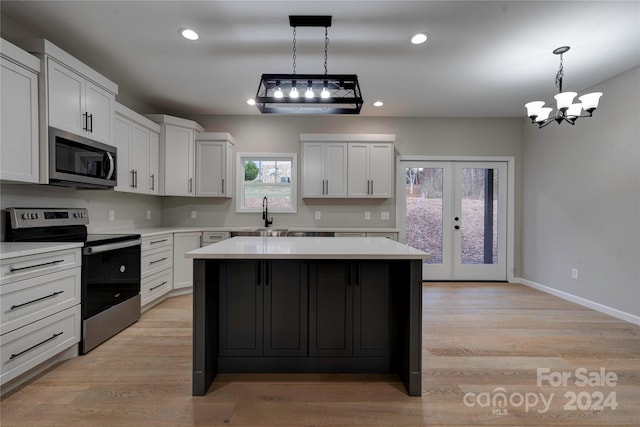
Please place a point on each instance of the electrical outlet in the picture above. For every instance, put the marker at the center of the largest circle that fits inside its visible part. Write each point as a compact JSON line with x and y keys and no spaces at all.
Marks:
{"x":318,"y":215}
{"x":148,"y":213}
{"x":367,"y":215}
{"x":574,"y":273}
{"x":384,"y":215}
{"x":194,"y":214}
{"x":112,"y":215}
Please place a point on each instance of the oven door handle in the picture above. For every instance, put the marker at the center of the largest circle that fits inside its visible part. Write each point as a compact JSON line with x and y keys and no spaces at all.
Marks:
{"x":110,"y":247}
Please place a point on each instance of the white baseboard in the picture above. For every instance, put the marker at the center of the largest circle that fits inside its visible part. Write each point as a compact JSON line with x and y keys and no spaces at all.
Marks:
{"x":622,"y":315}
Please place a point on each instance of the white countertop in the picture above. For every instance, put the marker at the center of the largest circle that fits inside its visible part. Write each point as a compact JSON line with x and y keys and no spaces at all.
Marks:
{"x":308,"y":248}
{"x":17,"y":249}
{"x":152,"y":231}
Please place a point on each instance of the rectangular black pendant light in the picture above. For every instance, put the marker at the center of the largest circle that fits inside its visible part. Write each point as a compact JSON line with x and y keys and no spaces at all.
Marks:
{"x":309,"y":93}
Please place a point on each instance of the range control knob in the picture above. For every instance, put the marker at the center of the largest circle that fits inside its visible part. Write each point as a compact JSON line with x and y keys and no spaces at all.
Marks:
{"x":25,"y":216}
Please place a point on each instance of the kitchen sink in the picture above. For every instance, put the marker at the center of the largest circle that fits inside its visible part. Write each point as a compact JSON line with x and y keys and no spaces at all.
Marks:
{"x":279,"y":232}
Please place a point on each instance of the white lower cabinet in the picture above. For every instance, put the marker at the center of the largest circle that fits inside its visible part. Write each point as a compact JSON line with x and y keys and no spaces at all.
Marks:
{"x":40,"y":311}
{"x":156,"y":269}
{"x":155,"y":286}
{"x":183,"y":267}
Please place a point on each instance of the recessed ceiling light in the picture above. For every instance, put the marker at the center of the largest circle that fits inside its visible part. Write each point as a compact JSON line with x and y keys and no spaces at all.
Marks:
{"x":419,"y":38}
{"x":378,"y":104}
{"x":188,"y":34}
{"x":251,"y":101}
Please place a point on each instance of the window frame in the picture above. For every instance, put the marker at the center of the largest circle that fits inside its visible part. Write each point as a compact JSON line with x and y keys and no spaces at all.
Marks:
{"x":242,"y":157}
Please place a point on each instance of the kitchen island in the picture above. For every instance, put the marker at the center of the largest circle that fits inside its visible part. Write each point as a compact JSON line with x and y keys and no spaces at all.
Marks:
{"x":307,"y":304}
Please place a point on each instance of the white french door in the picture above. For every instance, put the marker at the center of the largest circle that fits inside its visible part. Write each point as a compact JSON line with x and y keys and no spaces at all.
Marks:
{"x":457,"y":212}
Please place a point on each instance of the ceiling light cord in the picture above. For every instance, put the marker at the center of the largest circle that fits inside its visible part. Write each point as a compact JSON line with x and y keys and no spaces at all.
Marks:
{"x":326,"y":48}
{"x":294,"y":50}
{"x":560,"y":75}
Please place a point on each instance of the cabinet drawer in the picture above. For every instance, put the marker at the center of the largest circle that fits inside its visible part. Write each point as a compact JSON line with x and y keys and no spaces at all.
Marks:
{"x":159,"y":241}
{"x":21,"y":268}
{"x":27,"y":347}
{"x":389,"y":235}
{"x":155,"y":286}
{"x":209,"y":237}
{"x":349,"y":234}
{"x":29,"y":300}
{"x":155,"y":261}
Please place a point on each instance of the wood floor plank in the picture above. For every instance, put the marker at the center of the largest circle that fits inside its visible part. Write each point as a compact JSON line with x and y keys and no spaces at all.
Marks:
{"x":478,"y":340}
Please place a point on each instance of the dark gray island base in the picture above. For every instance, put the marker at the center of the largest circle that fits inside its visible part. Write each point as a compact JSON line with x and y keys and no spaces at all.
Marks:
{"x":344,"y":315}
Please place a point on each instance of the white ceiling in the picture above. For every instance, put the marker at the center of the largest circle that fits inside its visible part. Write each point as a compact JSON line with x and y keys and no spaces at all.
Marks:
{"x":484,"y":58}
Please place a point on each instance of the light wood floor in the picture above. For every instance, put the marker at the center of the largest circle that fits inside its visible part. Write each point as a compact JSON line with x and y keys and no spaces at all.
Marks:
{"x":478,"y":340}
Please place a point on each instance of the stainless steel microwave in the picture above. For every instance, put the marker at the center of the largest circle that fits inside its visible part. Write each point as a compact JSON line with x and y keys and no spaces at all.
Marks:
{"x":75,"y":161}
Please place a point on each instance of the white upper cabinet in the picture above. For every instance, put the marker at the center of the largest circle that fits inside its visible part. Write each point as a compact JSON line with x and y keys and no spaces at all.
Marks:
{"x":214,"y":165}
{"x":324,"y":169}
{"x":347,"y":165}
{"x":177,"y":148}
{"x":19,"y":139}
{"x":77,"y":98}
{"x":371,"y":170}
{"x":136,"y":138}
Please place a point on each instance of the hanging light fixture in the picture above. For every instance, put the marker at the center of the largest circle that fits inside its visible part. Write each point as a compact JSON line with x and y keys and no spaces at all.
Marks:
{"x":567,"y":110}
{"x":309,"y":93}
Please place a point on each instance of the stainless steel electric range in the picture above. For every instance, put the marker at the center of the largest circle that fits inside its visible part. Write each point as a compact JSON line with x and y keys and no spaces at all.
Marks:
{"x":110,"y":298}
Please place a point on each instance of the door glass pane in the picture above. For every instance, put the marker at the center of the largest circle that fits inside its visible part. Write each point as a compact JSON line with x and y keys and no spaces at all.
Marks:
{"x":424,"y":211}
{"x":479,"y":216}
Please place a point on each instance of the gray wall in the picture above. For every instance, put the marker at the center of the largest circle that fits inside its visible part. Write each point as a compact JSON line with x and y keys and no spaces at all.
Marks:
{"x":581,"y":200}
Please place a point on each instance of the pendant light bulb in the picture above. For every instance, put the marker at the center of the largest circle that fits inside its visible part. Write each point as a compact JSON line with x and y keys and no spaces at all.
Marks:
{"x":309,"y":94}
{"x":325,"y":93}
{"x":294,"y":93}
{"x":278,"y":93}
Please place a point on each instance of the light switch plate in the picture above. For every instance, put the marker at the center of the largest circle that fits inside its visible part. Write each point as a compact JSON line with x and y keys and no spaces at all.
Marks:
{"x":112,"y":215}
{"x":367,"y":215}
{"x":384,"y":215}
{"x":148,"y":213}
{"x":194,"y":214}
{"x":318,"y":215}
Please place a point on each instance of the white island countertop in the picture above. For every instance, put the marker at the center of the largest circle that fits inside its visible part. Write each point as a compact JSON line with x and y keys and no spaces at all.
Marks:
{"x":307,"y":248}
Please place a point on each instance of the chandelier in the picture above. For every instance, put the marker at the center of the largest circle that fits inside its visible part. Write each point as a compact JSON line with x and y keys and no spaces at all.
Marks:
{"x":566,"y":110}
{"x":309,"y":93}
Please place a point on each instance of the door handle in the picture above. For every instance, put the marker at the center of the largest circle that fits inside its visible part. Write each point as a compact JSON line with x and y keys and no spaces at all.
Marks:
{"x":133,"y":178}
{"x":153,"y":181}
{"x":457,"y":227}
{"x":85,"y":119}
{"x":190,"y":185}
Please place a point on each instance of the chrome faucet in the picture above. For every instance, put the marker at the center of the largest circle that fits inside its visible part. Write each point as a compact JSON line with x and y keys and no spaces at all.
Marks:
{"x":265,"y":212}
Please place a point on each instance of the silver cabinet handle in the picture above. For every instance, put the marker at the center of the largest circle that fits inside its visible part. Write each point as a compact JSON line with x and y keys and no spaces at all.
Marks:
{"x":223,"y":192}
{"x":371,"y":186}
{"x":110,"y":247}
{"x":190,"y":185}
{"x":13,"y":307}
{"x":158,"y":260}
{"x":14,"y":355}
{"x":136,"y":178}
{"x":153,"y":242}
{"x":133,"y":178}
{"x":11,"y":269}
{"x":153,"y":181}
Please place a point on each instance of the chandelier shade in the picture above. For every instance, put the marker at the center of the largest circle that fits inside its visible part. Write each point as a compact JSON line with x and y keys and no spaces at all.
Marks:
{"x":309,"y":93}
{"x":566,"y":109}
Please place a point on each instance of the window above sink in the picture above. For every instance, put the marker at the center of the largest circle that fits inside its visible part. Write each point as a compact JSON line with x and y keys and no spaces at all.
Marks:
{"x":272,"y":175}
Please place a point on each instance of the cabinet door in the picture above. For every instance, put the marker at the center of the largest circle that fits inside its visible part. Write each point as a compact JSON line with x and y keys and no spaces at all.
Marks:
{"x":154,"y":146}
{"x":183,"y":267}
{"x":121,"y":136}
{"x":359,"y":170}
{"x":178,"y":161}
{"x":330,"y":309}
{"x":241,"y":308}
{"x":285,"y":308}
{"x":19,"y":154}
{"x":336,"y":170}
{"x":139,"y":158}
{"x":371,"y":309}
{"x":313,"y":169}
{"x":99,"y":105}
{"x":66,"y":98}
{"x":381,"y":170}
{"x":210,"y":168}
